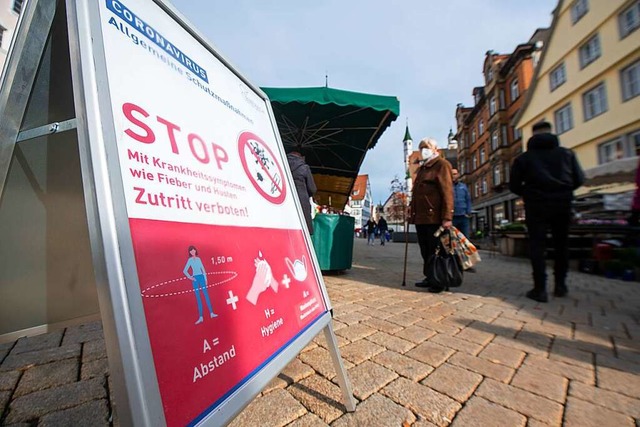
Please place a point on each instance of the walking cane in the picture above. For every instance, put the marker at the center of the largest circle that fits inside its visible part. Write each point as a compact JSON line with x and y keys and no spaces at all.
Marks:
{"x":406,"y":247}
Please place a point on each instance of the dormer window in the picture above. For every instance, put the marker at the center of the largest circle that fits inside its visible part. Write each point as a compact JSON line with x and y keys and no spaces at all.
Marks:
{"x":489,"y":74}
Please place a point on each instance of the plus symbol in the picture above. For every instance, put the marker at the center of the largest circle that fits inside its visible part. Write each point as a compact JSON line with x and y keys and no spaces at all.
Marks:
{"x":232,"y":300}
{"x":285,"y":281}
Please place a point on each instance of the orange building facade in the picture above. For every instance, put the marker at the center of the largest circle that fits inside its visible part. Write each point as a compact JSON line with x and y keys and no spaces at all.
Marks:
{"x":487,"y":140}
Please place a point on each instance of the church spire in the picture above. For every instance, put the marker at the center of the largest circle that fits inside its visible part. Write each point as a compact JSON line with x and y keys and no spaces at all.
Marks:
{"x":407,"y":135}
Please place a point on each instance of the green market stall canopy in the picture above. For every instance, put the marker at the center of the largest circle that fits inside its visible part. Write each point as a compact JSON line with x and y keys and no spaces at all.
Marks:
{"x":333,"y":129}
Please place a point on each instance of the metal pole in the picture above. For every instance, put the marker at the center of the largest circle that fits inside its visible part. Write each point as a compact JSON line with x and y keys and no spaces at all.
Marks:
{"x":406,"y":243}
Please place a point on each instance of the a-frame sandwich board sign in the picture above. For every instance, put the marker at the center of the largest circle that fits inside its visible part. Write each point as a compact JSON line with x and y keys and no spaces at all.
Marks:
{"x":207,"y":281}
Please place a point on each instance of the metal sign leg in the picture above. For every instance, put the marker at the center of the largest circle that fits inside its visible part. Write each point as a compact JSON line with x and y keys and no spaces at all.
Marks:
{"x":343,"y":379}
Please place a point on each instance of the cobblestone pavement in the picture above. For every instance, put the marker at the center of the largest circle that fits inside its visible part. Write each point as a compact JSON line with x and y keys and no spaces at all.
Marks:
{"x":482,"y":355}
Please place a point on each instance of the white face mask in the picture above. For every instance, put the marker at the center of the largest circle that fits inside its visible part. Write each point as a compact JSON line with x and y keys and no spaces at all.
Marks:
{"x":426,"y":153}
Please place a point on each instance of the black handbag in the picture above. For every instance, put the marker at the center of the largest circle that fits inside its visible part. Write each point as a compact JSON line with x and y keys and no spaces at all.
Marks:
{"x":444,"y":269}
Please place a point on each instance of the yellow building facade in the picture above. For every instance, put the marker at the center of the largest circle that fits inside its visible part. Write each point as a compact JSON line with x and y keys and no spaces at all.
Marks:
{"x":588,"y":84}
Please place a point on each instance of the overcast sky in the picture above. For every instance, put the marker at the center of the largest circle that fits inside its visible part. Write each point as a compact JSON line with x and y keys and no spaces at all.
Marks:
{"x":428,"y":53}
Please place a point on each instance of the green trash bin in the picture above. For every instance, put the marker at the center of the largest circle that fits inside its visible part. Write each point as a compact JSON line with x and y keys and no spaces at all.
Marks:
{"x":333,"y":241}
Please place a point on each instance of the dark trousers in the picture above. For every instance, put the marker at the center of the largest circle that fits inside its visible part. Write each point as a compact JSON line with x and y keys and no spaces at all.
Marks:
{"x":540,"y":219}
{"x":427,"y":242}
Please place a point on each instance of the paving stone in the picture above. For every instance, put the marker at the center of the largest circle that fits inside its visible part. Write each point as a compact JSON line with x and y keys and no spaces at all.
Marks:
{"x":359,"y":351}
{"x":383,"y":325}
{"x":568,"y":371}
{"x":483,"y":367}
{"x":261,"y":409}
{"x":456,"y":344}
{"x":521,"y":345}
{"x":319,"y":396}
{"x":95,"y":413}
{"x":83,"y":333}
{"x":403,"y":319}
{"x":403,"y":365}
{"x":356,"y":332}
{"x":507,"y":327}
{"x":37,"y":404}
{"x":453,"y":381}
{"x":376,"y":411}
{"x":504,"y":355}
{"x":308,"y":420}
{"x":439,"y":327}
{"x":395,"y":309}
{"x":41,"y":357}
{"x":619,"y":364}
{"x":276,"y":383}
{"x":93,"y":350}
{"x":433,"y":406}
{"x":415,"y":334}
{"x":295,"y":371}
{"x":431,"y":353}
{"x":320,"y":360}
{"x":579,"y":413}
{"x":353,"y":318}
{"x":563,"y":352}
{"x":5,"y":396}
{"x":368,"y":377}
{"x":475,"y":335}
{"x":622,"y":382}
{"x":8,"y":380}
{"x":46,"y":376}
{"x":38,"y":342}
{"x":607,"y":399}
{"x":422,"y":423}
{"x":478,"y":412}
{"x":544,"y":384}
{"x":322,"y":342}
{"x":390,"y":342}
{"x":521,"y":401}
{"x":94,"y":369}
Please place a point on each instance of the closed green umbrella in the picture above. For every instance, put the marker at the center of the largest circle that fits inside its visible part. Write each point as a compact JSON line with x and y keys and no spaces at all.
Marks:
{"x":334,"y":129}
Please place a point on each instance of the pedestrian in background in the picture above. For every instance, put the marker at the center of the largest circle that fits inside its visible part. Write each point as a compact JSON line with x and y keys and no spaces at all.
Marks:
{"x":461,"y":204}
{"x":371,"y":231}
{"x":546,"y":176}
{"x":431,"y":202}
{"x":382,"y":227}
{"x":305,"y":185}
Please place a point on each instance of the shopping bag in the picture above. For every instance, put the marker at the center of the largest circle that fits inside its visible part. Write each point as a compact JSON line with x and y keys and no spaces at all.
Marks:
{"x":464,"y":249}
{"x":444,"y":269}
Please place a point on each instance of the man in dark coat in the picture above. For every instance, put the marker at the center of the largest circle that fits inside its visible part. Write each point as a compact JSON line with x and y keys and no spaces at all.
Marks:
{"x":305,"y":185}
{"x":546,"y":176}
{"x":383,"y":227}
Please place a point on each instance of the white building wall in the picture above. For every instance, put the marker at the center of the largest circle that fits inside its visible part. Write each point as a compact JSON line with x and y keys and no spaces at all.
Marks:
{"x":8,"y":20}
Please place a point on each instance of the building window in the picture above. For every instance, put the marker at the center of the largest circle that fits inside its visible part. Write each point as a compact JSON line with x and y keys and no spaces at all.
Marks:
{"x":495,"y":143}
{"x":557,"y":76}
{"x":634,"y":140}
{"x":564,"y":119}
{"x":610,"y":151}
{"x":590,"y":51}
{"x":579,"y":8}
{"x":517,"y":133}
{"x":473,"y":136}
{"x":630,"y":81}
{"x":2,"y":30}
{"x":594,"y":102}
{"x":503,"y":103}
{"x":476,"y":189}
{"x":506,"y":169}
{"x":482,"y":156}
{"x":17,"y":6}
{"x":492,"y":105}
{"x":496,"y":175}
{"x":514,"y":91}
{"x":484,"y":185}
{"x":629,"y":19}
{"x":481,"y":127}
{"x":504,"y":136}
{"x":489,"y":74}
{"x":474,"y":162}
{"x":461,"y":168}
